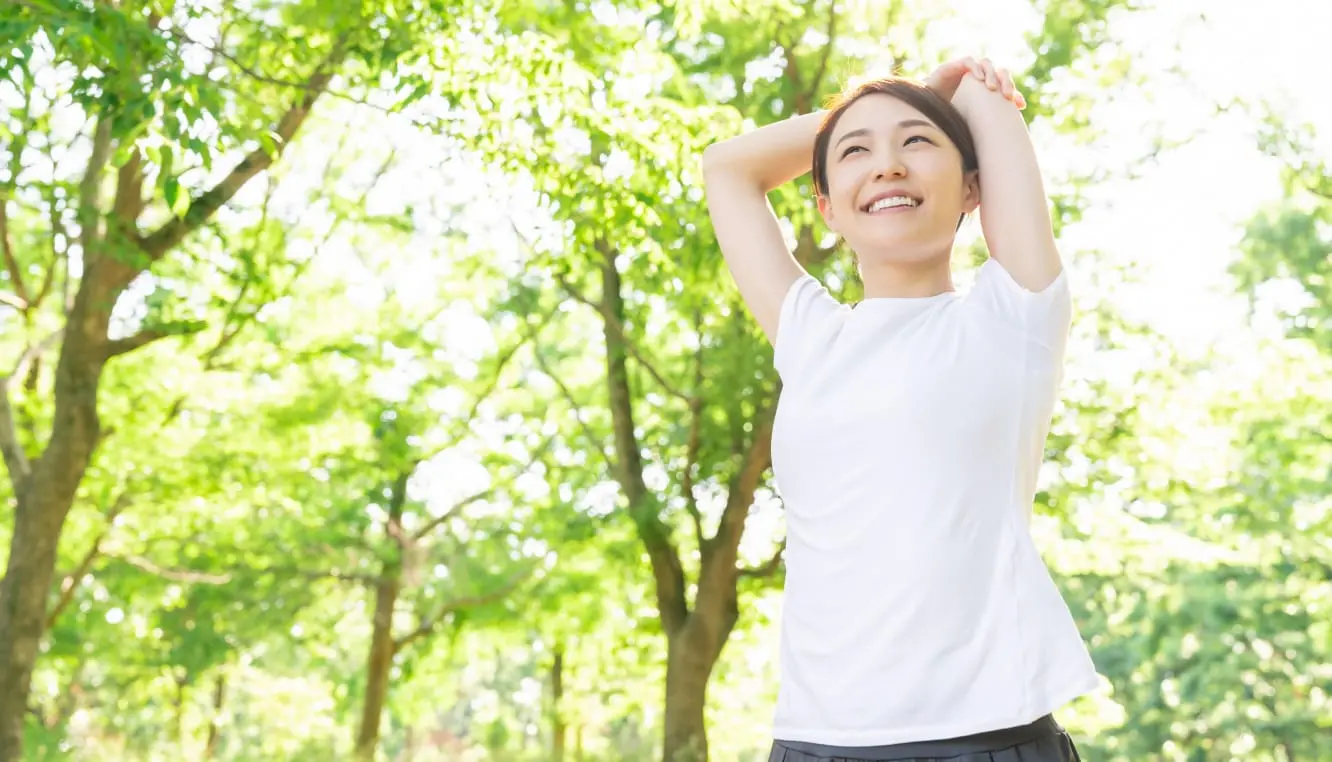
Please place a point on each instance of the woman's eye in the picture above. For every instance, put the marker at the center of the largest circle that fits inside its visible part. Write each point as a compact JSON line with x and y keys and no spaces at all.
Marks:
{"x":922,"y":138}
{"x":850,"y":150}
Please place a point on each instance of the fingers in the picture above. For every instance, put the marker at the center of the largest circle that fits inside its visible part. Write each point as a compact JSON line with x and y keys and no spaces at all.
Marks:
{"x":986,"y":72}
{"x":975,"y":67}
{"x":1009,"y":89}
{"x":1005,"y":83}
{"x":946,"y":78}
{"x":996,"y":79}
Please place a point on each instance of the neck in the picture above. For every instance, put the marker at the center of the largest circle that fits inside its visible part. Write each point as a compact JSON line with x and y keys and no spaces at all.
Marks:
{"x":906,"y":280}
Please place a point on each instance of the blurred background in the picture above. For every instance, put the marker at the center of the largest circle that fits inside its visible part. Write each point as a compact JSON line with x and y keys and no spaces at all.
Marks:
{"x":374,"y":388}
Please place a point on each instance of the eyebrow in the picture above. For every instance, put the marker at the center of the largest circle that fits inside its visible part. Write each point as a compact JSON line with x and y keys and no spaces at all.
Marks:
{"x":862,"y":132}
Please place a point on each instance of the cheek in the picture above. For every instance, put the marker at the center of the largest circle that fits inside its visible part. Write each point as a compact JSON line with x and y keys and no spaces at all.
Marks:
{"x":842,"y":190}
{"x":944,"y":176}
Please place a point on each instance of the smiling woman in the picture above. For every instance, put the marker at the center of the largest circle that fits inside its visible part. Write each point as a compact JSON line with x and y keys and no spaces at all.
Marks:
{"x":887,"y":129}
{"x":919,"y":620}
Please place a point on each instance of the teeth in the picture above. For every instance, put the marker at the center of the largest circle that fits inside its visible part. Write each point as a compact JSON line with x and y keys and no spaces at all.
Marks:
{"x":891,"y":201}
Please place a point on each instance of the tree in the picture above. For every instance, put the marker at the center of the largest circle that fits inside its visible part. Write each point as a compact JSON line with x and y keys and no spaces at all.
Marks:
{"x":148,"y":85}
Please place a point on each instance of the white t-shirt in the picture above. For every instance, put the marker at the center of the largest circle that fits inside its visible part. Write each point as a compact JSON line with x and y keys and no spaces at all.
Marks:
{"x":908,"y":439}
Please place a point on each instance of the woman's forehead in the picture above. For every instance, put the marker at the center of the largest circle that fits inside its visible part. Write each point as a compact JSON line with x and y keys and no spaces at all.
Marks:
{"x":879,"y":112}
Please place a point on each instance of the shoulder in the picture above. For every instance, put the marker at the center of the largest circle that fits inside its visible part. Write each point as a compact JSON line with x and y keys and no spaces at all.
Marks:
{"x":807,"y":323}
{"x":1039,"y":314}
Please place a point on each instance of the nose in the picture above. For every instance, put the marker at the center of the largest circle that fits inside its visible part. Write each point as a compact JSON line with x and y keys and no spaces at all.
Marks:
{"x":891,"y":168}
{"x":890,"y":165}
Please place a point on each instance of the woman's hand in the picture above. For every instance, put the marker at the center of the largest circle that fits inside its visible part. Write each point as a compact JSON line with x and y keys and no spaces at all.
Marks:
{"x":946,"y":78}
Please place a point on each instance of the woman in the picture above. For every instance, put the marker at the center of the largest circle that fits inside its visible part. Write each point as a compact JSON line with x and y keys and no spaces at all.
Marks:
{"x":919,"y":620}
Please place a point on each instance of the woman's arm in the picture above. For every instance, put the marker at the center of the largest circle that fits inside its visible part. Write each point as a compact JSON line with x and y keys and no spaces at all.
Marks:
{"x":1014,"y":211}
{"x":738,"y":174}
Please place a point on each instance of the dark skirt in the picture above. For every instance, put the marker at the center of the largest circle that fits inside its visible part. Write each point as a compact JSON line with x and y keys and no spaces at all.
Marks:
{"x":1041,"y":741}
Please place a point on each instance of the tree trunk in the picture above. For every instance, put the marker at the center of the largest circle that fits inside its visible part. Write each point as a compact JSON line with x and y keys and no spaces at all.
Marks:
{"x":686,"y":738}
{"x":378,"y":666}
{"x":689,"y":662}
{"x":215,"y":725}
{"x":558,"y":729}
{"x":32,"y":557}
{"x":383,"y":646}
{"x":181,"y":682}
{"x":44,"y":499}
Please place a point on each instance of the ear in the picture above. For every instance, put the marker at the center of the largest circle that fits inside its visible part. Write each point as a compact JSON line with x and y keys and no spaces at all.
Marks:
{"x":971,"y":192}
{"x":825,"y":209}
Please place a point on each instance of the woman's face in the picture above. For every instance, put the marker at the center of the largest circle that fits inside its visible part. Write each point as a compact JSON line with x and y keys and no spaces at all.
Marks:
{"x":896,"y":187}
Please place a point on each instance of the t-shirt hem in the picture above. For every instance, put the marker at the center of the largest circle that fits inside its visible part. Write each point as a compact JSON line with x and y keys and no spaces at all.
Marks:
{"x":830,"y":737}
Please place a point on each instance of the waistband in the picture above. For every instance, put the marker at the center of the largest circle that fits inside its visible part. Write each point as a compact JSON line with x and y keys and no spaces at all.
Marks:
{"x":979,"y":743}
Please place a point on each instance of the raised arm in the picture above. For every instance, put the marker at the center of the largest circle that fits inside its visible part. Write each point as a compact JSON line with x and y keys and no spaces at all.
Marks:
{"x":1014,"y":211}
{"x":738,"y":174}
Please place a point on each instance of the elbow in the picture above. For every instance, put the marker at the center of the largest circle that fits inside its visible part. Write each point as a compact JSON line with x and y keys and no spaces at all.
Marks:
{"x":724,"y":165}
{"x":714,"y":158}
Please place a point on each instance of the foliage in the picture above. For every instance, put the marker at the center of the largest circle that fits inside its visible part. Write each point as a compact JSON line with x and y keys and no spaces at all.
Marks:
{"x":465,"y":337}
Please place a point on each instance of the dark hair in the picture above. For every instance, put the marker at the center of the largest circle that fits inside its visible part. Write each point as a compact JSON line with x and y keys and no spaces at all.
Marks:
{"x":910,"y":92}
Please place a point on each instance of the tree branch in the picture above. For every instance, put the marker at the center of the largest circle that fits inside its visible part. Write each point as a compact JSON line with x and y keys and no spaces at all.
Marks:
{"x":767,"y":568}
{"x":143,"y":338}
{"x":91,"y":186}
{"x":33,"y":352}
{"x":317,"y":574}
{"x":429,"y":624}
{"x":667,"y":570}
{"x":453,"y":510}
{"x":816,"y":84}
{"x":719,"y":561}
{"x":219,"y":52}
{"x":18,"y":146}
{"x":57,"y":233}
{"x":11,"y":263}
{"x":745,"y":484}
{"x":192,"y":576}
{"x":792,"y":72}
{"x":615,"y":324}
{"x":693,"y":447}
{"x":233,"y":325}
{"x":69,"y":583}
{"x":806,"y":252}
{"x":505,"y":357}
{"x":129,"y":194}
{"x":16,"y":460}
{"x":206,"y":205}
{"x":175,"y":575}
{"x":592,"y":441}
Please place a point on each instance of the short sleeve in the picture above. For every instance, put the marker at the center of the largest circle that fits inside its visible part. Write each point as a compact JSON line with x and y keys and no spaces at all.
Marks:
{"x":806,"y":326}
{"x":1043,"y":317}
